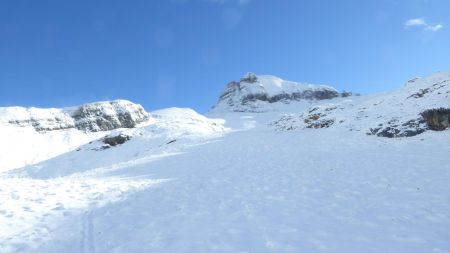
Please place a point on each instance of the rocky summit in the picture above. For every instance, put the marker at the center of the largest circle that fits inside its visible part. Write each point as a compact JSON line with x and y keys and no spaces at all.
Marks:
{"x":254,"y":93}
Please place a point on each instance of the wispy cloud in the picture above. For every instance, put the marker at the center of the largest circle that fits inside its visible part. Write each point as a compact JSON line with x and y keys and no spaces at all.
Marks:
{"x":421,"y":22}
{"x":434,"y":28}
{"x":416,"y":22}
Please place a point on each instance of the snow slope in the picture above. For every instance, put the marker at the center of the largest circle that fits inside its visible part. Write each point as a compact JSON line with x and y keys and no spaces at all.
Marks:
{"x":238,"y":182}
{"x":393,"y":114}
{"x":23,"y":146}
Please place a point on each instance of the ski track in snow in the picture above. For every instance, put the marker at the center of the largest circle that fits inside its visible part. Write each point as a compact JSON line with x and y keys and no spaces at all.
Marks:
{"x":31,"y":207}
{"x":87,"y":234}
{"x":240,"y":194}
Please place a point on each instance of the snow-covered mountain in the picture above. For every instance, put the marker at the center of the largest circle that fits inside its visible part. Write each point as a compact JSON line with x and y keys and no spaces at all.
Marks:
{"x":421,"y":104}
{"x":258,"y":93}
{"x":31,"y":135}
{"x":275,"y":166}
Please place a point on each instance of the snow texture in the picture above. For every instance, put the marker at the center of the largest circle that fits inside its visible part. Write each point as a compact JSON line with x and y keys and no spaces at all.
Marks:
{"x":245,"y":182}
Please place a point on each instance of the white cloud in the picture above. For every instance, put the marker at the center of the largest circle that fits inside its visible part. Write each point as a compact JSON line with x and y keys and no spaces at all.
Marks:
{"x":434,"y":28}
{"x":421,"y":22}
{"x":416,"y":22}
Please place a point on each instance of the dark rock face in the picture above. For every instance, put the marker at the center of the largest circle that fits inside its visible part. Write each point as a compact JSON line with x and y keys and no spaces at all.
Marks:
{"x":345,"y":94}
{"x":316,"y":118}
{"x":249,"y":78}
{"x":437,"y":119}
{"x":420,"y":93}
{"x":323,"y":123}
{"x":321,"y":94}
{"x":255,"y":97}
{"x":116,"y":140}
{"x":296,"y":96}
{"x":395,"y":129}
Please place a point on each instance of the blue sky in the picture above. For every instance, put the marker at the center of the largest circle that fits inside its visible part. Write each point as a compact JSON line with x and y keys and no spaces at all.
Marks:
{"x":163,"y":53}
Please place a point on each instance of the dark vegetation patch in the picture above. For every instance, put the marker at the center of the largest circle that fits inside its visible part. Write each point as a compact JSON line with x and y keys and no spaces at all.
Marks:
{"x":437,"y":119}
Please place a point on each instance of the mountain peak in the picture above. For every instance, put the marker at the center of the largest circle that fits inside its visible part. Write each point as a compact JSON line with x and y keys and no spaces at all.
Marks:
{"x":254,"y":92}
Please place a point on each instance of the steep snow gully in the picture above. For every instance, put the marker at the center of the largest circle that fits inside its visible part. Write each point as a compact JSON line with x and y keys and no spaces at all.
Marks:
{"x":300,"y":173}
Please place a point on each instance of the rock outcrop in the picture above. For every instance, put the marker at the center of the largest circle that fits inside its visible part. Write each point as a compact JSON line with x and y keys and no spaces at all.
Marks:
{"x":104,"y":116}
{"x":432,"y":119}
{"x":396,"y":129}
{"x":114,"y":140}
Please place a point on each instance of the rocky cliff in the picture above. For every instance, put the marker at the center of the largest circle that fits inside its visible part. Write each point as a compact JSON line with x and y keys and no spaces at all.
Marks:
{"x":93,"y":117}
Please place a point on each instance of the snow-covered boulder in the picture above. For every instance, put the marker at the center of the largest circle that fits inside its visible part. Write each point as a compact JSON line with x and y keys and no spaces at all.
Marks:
{"x":253,"y":93}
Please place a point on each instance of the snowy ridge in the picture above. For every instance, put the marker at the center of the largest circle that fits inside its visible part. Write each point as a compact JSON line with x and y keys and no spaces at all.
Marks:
{"x":31,"y":135}
{"x":38,"y":118}
{"x":166,"y":127}
{"x":93,"y":117}
{"x":256,"y":93}
{"x":184,"y":122}
{"x":394,"y":114}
